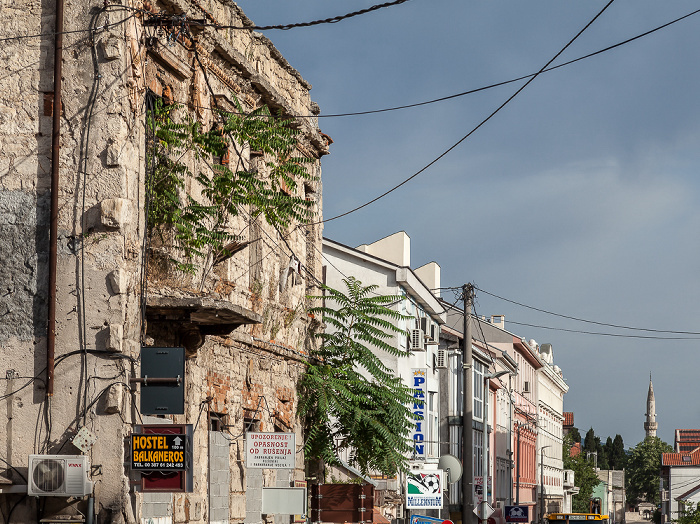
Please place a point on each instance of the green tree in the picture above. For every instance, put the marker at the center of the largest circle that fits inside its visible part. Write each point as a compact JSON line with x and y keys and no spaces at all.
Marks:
{"x":589,"y":443}
{"x":349,"y":399}
{"x":195,"y":229}
{"x":617,"y":457}
{"x":592,"y":445}
{"x":584,"y":476}
{"x":608,"y":450}
{"x":691,"y":514}
{"x":575,"y":435}
{"x":643,"y":467}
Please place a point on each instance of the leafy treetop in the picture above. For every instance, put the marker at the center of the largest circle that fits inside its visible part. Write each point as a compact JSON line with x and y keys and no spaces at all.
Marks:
{"x":349,"y":399}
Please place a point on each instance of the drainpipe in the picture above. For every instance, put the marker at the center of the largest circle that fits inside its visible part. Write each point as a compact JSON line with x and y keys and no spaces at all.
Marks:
{"x":53,"y":228}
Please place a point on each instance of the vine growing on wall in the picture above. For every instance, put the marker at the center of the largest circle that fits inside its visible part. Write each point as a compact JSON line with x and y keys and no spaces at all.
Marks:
{"x":199,"y":180}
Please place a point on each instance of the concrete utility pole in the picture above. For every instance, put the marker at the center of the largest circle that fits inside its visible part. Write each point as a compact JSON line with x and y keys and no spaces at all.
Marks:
{"x":467,"y":406}
{"x":542,"y":482}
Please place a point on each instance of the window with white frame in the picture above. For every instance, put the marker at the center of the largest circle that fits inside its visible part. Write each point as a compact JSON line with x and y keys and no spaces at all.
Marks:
{"x":478,"y":390}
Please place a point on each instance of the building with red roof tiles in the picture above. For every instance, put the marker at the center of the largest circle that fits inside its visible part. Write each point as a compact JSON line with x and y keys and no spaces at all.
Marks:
{"x":686,"y":440}
{"x":568,"y":419}
{"x":575,"y":449}
{"x":680,"y":473}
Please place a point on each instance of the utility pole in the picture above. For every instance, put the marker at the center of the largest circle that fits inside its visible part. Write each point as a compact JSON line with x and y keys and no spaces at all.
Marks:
{"x":542,"y":482}
{"x":467,"y":406}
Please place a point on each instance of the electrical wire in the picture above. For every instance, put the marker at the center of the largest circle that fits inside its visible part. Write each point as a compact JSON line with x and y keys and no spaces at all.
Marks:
{"x":602,"y":334}
{"x":478,"y":89}
{"x":618,"y":326}
{"x":465,"y":137}
{"x":505,"y":82}
{"x":331,"y":20}
{"x":105,"y":27}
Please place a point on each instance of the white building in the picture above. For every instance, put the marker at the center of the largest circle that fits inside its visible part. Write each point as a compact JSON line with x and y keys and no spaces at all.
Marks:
{"x":680,"y":473}
{"x":550,"y":415}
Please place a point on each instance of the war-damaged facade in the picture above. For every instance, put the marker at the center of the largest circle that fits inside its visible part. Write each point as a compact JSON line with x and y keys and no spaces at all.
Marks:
{"x":243,"y":324}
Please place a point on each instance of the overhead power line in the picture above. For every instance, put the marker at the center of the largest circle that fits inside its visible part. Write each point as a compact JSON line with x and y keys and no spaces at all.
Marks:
{"x":617,"y":326}
{"x":105,"y":27}
{"x":505,"y":82}
{"x":618,"y":335}
{"x":331,"y":20}
{"x":493,"y":113}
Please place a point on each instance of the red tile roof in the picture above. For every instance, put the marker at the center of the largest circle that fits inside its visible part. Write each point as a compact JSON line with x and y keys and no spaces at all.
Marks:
{"x":575,"y":449}
{"x":681,"y":459}
{"x":568,"y":418}
{"x":378,"y":518}
{"x":687,"y":440}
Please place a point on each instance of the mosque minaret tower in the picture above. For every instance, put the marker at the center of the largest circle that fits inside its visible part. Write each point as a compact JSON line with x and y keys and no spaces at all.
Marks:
{"x":650,"y":424}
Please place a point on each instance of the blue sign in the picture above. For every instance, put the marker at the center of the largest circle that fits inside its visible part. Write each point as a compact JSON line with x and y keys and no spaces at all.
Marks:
{"x":418,"y":385}
{"x":422,"y":519}
{"x":517,"y":514}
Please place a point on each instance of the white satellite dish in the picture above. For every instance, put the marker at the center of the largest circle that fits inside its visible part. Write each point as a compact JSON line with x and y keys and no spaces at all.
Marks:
{"x":452,"y":465}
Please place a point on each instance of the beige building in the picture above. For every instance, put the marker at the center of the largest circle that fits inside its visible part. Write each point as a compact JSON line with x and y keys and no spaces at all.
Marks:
{"x":70,"y":356}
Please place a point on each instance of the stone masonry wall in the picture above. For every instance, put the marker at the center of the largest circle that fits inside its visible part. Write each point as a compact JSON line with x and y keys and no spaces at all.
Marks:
{"x":106,"y":73}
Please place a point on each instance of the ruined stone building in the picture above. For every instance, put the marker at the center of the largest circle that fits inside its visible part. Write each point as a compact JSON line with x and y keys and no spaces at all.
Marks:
{"x":87,"y":287}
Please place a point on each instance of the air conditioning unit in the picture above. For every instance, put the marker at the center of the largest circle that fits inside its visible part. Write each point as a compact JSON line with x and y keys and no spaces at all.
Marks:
{"x":417,"y":342}
{"x":58,"y":476}
{"x":441,"y":359}
{"x":431,"y":330}
{"x":435,"y":332}
{"x":526,"y":387}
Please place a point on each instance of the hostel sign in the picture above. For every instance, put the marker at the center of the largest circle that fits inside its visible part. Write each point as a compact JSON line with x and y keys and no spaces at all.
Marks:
{"x":270,"y":450}
{"x":158,"y":452}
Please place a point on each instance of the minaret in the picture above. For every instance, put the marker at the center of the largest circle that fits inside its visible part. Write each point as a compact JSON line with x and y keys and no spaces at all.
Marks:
{"x":650,"y":425}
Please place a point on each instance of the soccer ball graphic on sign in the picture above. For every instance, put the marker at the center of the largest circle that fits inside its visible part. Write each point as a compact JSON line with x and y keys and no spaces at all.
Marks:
{"x":426,"y":483}
{"x":432,"y":483}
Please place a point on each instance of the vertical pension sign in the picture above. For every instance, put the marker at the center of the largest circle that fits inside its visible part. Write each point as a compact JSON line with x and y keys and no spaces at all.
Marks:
{"x":270,"y":450}
{"x":158,"y":452}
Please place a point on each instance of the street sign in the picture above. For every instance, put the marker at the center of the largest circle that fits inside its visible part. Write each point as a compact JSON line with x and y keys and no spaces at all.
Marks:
{"x":483,"y":510}
{"x":517,"y":514}
{"x":423,"y":519}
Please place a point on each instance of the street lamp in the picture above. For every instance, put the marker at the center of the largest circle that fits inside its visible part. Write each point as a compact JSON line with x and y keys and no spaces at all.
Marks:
{"x":485,"y":456}
{"x":542,"y":481}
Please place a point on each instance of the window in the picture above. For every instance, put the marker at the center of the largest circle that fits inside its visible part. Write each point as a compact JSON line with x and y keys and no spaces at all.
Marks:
{"x":217,"y":421}
{"x":478,"y":390}
{"x":478,"y":452}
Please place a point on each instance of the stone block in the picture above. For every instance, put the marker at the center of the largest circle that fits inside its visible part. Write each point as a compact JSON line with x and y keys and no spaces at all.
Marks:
{"x":114,"y":399}
{"x":115,"y":338}
{"x":111,"y":47}
{"x":113,"y":153}
{"x":118,"y":281}
{"x":115,"y":213}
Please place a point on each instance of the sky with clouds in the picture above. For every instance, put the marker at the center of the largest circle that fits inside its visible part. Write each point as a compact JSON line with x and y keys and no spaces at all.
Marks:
{"x":579,"y":197}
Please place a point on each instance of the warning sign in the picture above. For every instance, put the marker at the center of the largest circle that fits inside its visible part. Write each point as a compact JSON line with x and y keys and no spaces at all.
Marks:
{"x":158,"y":452}
{"x":270,"y":450}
